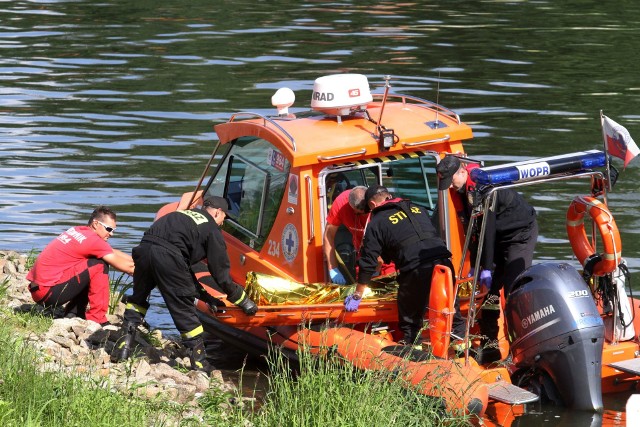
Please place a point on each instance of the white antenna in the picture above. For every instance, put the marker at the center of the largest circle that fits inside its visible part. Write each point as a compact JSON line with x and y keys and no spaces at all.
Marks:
{"x":436,"y":125}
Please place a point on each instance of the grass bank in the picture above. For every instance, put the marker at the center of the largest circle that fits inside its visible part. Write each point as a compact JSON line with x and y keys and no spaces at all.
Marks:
{"x":317,"y":391}
{"x":322,"y":392}
{"x":31,"y":396}
{"x":328,"y":392}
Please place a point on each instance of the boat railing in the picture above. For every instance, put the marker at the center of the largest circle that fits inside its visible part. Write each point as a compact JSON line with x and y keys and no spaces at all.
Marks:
{"x":487,"y":197}
{"x":266,"y":120}
{"x":405,"y":99}
{"x":312,"y":229}
{"x":488,"y":202}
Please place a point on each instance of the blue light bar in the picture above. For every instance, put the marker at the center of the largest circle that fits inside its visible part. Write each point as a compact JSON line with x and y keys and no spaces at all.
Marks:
{"x":531,"y":169}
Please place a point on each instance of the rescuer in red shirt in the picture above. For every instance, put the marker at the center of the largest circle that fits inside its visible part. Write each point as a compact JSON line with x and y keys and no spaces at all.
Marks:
{"x":74,"y":269}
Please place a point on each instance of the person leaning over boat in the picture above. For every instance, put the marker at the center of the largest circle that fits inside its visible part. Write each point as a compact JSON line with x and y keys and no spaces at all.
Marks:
{"x":348,"y":209}
{"x":402,"y":232}
{"x":168,"y":249}
{"x":510,"y":238}
{"x":73,"y":269}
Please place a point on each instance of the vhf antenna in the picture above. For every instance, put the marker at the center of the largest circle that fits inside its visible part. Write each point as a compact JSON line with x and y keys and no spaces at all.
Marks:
{"x":436,"y":124}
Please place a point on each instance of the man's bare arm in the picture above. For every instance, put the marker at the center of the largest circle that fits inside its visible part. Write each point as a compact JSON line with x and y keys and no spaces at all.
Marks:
{"x":120,"y":261}
{"x":328,"y":245}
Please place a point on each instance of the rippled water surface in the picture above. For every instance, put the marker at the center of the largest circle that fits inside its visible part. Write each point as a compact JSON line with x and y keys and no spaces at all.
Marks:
{"x":114,"y":102}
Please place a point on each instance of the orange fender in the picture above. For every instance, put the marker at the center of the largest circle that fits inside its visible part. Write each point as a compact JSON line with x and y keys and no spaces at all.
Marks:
{"x":580,"y":244}
{"x":458,"y":383}
{"x":441,"y":310}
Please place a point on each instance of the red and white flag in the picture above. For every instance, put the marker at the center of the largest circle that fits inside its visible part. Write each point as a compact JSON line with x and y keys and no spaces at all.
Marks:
{"x":618,"y":141}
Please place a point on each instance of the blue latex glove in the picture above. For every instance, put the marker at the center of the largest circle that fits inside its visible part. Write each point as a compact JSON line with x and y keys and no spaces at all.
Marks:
{"x":351,"y":304}
{"x":337,"y":277}
{"x":485,"y":279}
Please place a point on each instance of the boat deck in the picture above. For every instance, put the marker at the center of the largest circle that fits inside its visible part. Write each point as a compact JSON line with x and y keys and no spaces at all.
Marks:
{"x":505,"y":392}
{"x":630,"y":366}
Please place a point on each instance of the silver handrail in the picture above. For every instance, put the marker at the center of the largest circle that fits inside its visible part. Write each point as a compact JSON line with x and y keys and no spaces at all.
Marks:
{"x":339,"y":156}
{"x":312,"y":231}
{"x":423,"y":103}
{"x":266,"y":120}
{"x":489,"y":200}
{"x":428,"y":141}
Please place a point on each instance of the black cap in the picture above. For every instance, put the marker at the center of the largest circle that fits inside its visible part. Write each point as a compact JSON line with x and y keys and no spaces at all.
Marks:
{"x":372,"y":191}
{"x":446,"y":169}
{"x":217,"y":202}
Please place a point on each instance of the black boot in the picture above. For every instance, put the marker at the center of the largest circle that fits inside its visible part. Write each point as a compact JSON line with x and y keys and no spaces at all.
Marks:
{"x":124,"y":345}
{"x":247,"y":305}
{"x":198,"y":355}
{"x":489,"y":350}
{"x":411,"y":336}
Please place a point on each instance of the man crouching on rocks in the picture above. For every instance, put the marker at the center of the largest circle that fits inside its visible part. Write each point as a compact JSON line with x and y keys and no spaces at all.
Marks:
{"x":168,"y":248}
{"x":74,"y":269}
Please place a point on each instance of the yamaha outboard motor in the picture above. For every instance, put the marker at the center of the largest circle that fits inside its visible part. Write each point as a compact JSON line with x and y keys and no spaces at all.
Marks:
{"x":555,"y":330}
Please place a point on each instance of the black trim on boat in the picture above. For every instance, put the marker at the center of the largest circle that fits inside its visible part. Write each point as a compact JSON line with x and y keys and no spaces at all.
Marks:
{"x":239,"y":338}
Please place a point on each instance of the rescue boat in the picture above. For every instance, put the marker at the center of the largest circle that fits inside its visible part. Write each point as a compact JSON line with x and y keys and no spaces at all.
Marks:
{"x":281,"y":173}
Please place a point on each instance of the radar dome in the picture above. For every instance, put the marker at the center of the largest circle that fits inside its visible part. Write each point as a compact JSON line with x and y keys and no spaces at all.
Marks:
{"x":339,"y":94}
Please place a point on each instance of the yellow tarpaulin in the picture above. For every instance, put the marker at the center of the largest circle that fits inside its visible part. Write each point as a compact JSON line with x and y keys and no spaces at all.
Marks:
{"x":272,"y":290}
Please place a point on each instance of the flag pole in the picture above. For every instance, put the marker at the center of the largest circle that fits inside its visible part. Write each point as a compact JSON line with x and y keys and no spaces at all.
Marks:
{"x":606,"y":153}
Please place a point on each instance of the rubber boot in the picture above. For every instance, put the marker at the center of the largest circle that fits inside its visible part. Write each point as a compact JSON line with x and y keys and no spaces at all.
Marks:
{"x":198,"y":355}
{"x":459,"y":323}
{"x":124,"y":345}
{"x":411,"y":336}
{"x":247,"y":305}
{"x":489,"y":350}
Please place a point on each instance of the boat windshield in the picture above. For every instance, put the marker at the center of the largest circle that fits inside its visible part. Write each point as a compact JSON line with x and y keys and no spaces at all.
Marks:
{"x":413,"y":178}
{"x":344,"y":179}
{"x":252,"y":176}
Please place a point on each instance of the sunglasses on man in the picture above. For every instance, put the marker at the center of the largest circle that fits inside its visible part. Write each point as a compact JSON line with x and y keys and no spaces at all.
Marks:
{"x":106,"y":227}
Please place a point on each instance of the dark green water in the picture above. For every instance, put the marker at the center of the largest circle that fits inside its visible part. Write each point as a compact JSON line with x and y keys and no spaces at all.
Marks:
{"x":114,"y":102}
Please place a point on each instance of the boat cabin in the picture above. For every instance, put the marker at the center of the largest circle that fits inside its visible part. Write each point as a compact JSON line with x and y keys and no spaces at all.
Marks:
{"x":281,"y":173}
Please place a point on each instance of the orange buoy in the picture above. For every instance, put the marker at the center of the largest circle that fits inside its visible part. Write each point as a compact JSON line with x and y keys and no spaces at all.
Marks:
{"x":441,"y":311}
{"x":580,"y":244}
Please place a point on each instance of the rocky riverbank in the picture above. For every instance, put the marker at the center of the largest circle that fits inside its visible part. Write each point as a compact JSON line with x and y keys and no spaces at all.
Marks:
{"x":80,"y":346}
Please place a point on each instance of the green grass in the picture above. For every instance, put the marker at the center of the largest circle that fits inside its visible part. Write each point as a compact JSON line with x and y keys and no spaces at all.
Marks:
{"x":18,"y":321}
{"x":316,"y":391}
{"x":119,"y":285}
{"x":326,"y":391}
{"x":31,"y":258}
{"x":29,"y":397}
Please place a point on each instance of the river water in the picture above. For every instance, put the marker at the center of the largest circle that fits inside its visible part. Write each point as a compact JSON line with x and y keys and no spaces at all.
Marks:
{"x":113,"y":102}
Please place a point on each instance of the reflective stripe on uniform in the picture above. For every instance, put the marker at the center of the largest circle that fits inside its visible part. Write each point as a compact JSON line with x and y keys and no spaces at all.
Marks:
{"x":241,"y":298}
{"x":137,"y":308}
{"x":193,"y":333}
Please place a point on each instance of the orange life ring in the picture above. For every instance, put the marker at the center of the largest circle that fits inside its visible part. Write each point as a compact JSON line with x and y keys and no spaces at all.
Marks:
{"x":580,"y":244}
{"x":441,"y":300}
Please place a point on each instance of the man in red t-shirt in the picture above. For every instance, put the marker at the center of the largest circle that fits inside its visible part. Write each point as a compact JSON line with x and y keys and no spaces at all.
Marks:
{"x":74,"y":268}
{"x":348,"y":209}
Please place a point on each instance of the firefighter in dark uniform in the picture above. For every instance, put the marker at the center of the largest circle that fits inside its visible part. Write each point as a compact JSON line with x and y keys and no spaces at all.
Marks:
{"x":164,"y":258}
{"x":402,"y":232}
{"x":510,"y":238}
